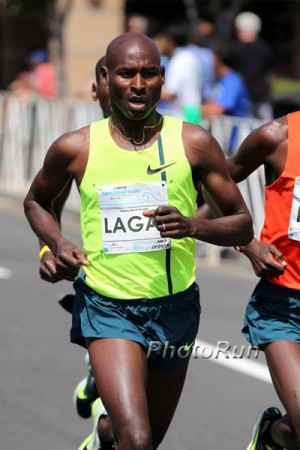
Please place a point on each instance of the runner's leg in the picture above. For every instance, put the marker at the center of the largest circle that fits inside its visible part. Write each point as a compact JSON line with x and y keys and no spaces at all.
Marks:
{"x":164,"y":390}
{"x":283,"y":358}
{"x":120,"y":371}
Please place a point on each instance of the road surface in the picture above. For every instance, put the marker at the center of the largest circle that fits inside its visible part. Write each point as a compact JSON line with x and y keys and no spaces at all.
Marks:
{"x":40,"y":368}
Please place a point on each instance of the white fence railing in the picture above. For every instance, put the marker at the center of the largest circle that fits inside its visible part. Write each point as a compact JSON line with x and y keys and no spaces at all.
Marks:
{"x":222,"y":128}
{"x":28,"y":129}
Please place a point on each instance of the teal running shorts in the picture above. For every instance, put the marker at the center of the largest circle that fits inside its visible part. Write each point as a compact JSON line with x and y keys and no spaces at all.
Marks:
{"x":272,"y":314}
{"x":166,"y":327}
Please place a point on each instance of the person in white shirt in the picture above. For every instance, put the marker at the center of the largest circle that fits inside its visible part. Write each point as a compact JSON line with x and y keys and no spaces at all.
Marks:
{"x":182,"y":90}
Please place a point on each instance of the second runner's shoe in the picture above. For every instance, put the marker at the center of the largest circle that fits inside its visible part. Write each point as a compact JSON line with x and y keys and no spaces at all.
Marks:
{"x":92,"y":442}
{"x":264,"y":419}
{"x":85,"y":392}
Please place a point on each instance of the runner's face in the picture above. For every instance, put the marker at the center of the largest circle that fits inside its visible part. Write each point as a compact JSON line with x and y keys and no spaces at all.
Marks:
{"x":135,"y":82}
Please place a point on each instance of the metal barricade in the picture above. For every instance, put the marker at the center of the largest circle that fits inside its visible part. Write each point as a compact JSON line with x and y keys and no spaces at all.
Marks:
{"x":28,"y":128}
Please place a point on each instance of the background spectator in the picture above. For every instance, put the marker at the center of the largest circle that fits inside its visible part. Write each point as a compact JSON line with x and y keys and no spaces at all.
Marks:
{"x":230,"y":94}
{"x":137,"y":23}
{"x":22,"y":85}
{"x":196,"y":44}
{"x":37,"y":76}
{"x":43,"y":76}
{"x":182,"y":89}
{"x":254,"y":58}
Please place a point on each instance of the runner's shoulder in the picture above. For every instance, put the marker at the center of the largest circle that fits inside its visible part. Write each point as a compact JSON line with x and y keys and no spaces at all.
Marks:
{"x":72,"y":142}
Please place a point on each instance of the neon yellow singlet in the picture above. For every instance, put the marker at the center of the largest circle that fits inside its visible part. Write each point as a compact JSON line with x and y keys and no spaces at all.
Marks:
{"x":136,"y":274}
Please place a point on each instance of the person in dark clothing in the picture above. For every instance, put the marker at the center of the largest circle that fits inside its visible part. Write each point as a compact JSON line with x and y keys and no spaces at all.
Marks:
{"x":254,"y":59}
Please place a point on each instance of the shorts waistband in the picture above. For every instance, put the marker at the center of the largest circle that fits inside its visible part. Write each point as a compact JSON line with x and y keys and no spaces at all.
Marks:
{"x":279,"y":288}
{"x":169,"y":299}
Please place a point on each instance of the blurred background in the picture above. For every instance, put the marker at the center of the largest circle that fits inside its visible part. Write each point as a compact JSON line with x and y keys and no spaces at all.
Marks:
{"x":49,"y":48}
{"x":75,"y":33}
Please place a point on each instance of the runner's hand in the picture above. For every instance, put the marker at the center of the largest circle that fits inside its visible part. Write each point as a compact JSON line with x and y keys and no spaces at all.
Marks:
{"x":170,"y":222}
{"x":267,"y":261}
{"x":47,"y":269}
{"x":69,"y":259}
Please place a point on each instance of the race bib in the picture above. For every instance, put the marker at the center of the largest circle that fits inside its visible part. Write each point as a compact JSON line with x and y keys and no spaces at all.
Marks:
{"x":294,"y":226}
{"x":124,"y":228}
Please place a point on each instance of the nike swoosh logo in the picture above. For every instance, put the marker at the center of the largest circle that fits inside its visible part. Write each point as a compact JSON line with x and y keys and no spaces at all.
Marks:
{"x":188,"y":346}
{"x":158,"y":169}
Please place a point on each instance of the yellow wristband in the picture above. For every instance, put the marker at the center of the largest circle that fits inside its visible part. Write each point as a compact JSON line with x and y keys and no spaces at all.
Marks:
{"x":43,"y":251}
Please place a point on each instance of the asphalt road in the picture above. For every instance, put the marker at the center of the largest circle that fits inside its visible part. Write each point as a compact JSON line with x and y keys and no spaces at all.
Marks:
{"x":39,"y":368}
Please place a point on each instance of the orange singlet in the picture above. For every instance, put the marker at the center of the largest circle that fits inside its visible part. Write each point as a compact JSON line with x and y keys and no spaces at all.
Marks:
{"x":281,"y":198}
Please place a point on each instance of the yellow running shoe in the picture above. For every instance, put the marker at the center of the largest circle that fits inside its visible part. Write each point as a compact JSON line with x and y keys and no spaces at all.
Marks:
{"x":264,"y":419}
{"x":85,"y":392}
{"x":92,"y":442}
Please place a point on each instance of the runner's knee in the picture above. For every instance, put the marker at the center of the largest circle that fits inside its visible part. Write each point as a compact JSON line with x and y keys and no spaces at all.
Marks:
{"x":134,"y":438}
{"x":105,"y":429}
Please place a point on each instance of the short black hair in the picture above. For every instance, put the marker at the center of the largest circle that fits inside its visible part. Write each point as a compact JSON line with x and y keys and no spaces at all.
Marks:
{"x":224,"y":50}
